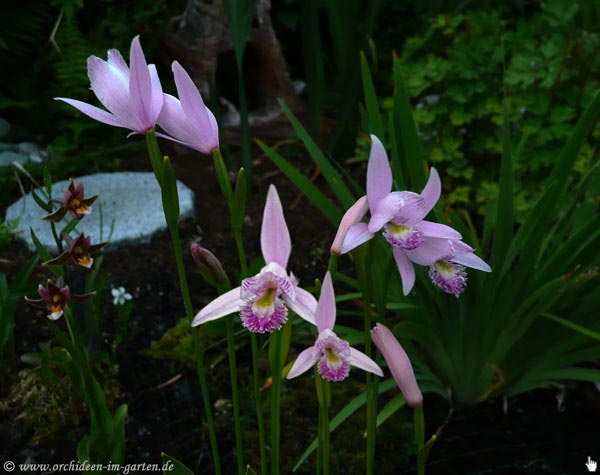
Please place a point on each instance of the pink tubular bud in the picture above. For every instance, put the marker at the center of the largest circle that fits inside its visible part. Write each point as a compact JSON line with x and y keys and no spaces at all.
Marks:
{"x":354,"y":215}
{"x":208,"y":264}
{"x":398,"y":363}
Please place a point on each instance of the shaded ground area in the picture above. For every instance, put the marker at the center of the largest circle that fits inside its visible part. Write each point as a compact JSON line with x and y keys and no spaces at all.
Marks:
{"x":165,"y":410}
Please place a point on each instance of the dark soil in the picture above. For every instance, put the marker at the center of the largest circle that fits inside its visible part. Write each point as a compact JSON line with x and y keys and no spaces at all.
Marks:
{"x":163,"y":397}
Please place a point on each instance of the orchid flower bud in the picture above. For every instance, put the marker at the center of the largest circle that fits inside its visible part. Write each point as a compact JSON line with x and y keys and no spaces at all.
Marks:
{"x":347,"y":233}
{"x":208,"y":264}
{"x":398,"y":363}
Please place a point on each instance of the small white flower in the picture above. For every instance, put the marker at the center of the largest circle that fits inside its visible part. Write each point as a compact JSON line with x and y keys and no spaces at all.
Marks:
{"x":120,"y":296}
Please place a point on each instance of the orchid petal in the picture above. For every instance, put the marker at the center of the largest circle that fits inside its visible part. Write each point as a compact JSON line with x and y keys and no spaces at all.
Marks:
{"x":304,"y":362}
{"x":432,"y":191}
{"x":401,"y":207}
{"x":157,"y":94}
{"x":191,"y":100}
{"x":471,"y":260}
{"x":353,"y":216}
{"x":398,"y":363}
{"x":379,"y":173}
{"x":94,"y":112}
{"x":116,"y":60}
{"x":362,"y":361}
{"x":406,"y":269}
{"x":325,"y":314}
{"x":431,"y":250}
{"x":111,"y":87}
{"x":140,"y":85}
{"x":438,"y":230}
{"x":304,"y":305}
{"x":356,"y":235}
{"x":226,"y":304}
{"x":275,"y":239}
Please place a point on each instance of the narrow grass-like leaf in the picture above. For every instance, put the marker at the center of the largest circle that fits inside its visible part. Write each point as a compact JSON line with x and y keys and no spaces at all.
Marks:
{"x":407,"y":134}
{"x":47,"y":207}
{"x":572,"y":326}
{"x":315,"y":196}
{"x":390,"y":408}
{"x":175,"y":467}
{"x":238,"y":206}
{"x":329,"y":172}
{"x":503,"y":233}
{"x":371,"y":103}
{"x":312,"y":55}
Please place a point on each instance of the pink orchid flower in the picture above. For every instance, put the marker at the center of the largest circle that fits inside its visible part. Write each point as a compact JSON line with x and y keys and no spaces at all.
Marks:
{"x":263,"y":300}
{"x":187,"y":120}
{"x":332,"y":355}
{"x":400,"y":216}
{"x":133,"y":97}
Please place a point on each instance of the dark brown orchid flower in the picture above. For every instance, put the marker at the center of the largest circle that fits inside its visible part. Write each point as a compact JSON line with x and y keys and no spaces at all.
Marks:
{"x":55,"y":298}
{"x":80,"y":250}
{"x":74,"y":202}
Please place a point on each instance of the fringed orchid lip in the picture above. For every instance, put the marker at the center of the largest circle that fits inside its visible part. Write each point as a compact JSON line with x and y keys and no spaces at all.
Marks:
{"x":334,"y":361}
{"x":55,"y":298}
{"x":448,"y":276}
{"x":262,"y":308}
{"x":403,"y":236}
{"x":332,"y":355}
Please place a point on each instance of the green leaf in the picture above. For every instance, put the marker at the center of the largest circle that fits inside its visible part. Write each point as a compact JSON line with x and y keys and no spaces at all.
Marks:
{"x":503,"y":233}
{"x":239,"y":15}
{"x":45,"y":255}
{"x":172,"y":466}
{"x":83,"y":449}
{"x":329,"y":173}
{"x":47,"y":207}
{"x":407,"y":136}
{"x":238,"y":207}
{"x":396,"y":403}
{"x":222,"y":177}
{"x":572,"y":326}
{"x":371,"y":103}
{"x":48,"y":181}
{"x":69,"y":227}
{"x":170,"y":195}
{"x":315,"y":196}
{"x":117,"y":440}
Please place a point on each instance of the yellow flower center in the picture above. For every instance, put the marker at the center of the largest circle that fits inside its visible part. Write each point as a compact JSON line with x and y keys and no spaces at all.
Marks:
{"x":267,"y":299}
{"x":331,"y":356}
{"x":56,"y":298}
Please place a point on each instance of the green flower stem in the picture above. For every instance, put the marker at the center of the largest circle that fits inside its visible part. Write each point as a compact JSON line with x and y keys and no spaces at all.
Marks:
{"x":275,"y":401}
{"x":361,"y":260}
{"x":157,"y":165}
{"x":325,"y":425}
{"x":419,"y":421}
{"x":258,"y":403}
{"x":235,"y":394}
{"x":332,"y":266}
{"x":319,"y":467}
{"x":156,"y":158}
